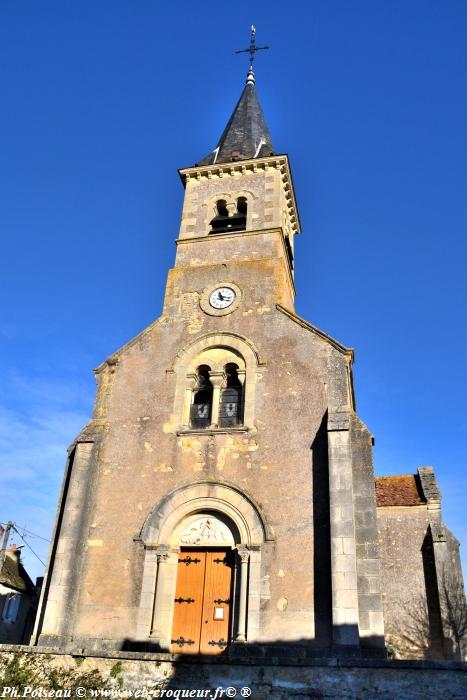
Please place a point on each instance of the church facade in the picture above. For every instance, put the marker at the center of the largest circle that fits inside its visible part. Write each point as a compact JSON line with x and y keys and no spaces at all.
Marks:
{"x":199,"y":516}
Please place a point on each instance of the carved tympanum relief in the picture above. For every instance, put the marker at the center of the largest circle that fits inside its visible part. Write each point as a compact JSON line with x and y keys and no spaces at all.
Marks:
{"x":206,"y":531}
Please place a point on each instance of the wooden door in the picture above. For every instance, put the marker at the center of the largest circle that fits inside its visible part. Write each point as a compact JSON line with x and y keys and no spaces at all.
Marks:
{"x":188,"y":602}
{"x":202,"y":602}
{"x":215,"y":624}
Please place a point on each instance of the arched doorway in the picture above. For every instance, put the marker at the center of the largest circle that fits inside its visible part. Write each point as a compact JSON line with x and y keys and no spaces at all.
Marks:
{"x":207,"y":570}
{"x":202,"y":570}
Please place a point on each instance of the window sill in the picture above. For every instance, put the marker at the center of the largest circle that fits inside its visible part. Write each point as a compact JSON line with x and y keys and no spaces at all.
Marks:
{"x":212,"y":431}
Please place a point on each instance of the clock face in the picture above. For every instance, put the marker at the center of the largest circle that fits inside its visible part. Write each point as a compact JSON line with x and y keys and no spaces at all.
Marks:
{"x":222,"y":297}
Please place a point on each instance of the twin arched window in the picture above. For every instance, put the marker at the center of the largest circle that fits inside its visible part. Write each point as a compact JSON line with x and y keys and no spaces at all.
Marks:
{"x":226,"y":221}
{"x":222,"y":407}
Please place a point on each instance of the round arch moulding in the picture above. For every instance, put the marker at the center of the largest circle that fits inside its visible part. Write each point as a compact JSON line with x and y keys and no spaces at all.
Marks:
{"x":220,"y":339}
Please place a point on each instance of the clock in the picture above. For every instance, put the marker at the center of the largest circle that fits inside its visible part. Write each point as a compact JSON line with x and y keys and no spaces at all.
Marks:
{"x":222,"y":297}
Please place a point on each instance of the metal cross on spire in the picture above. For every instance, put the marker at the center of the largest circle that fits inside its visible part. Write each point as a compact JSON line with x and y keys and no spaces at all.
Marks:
{"x":252,"y":48}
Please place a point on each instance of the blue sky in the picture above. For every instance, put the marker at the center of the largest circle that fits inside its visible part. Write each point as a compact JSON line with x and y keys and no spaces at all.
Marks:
{"x":103,"y":101}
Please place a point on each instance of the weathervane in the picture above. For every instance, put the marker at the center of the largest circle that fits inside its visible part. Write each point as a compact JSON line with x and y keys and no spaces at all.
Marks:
{"x":252,"y":48}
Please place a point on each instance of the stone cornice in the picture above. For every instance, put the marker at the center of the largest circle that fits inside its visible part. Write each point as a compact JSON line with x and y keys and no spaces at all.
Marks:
{"x":212,"y":431}
{"x":228,"y":234}
{"x":413,"y":506}
{"x":242,"y":167}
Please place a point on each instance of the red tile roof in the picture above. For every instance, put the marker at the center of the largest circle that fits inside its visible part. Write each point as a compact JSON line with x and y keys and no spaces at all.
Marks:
{"x":402,"y":490}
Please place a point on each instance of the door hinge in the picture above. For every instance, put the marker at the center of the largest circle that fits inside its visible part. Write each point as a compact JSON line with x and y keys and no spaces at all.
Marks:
{"x":181,"y":641}
{"x":219,"y":643}
{"x":188,"y":560}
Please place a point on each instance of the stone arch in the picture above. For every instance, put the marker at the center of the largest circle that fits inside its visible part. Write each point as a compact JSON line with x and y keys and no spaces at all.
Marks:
{"x":230,"y":197}
{"x":237,"y":342}
{"x":247,"y":532}
{"x":200,"y":497}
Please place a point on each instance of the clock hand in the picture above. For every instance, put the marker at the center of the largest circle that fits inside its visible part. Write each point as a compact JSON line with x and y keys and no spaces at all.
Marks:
{"x":221,"y":298}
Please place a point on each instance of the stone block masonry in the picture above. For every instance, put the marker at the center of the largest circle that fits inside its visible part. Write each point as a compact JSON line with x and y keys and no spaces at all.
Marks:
{"x":278,"y":676}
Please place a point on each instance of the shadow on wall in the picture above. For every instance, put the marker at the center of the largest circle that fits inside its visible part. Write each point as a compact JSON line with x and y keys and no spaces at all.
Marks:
{"x":296,"y":651}
{"x":322,"y":540}
{"x":284,"y":670}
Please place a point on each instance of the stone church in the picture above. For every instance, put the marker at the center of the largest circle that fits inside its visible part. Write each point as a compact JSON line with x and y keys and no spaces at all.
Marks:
{"x":222,"y":498}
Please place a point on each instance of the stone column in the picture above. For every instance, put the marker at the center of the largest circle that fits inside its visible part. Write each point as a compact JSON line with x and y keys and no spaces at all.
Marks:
{"x":217,"y":380}
{"x":163,"y":555}
{"x":255,"y":584}
{"x":343,"y":546}
{"x":148,"y":589}
{"x":241,"y":374}
{"x":244,"y":556}
{"x":190,"y":384}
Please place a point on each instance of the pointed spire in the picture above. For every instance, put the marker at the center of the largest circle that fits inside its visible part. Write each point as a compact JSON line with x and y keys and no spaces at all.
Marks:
{"x":246,"y":134}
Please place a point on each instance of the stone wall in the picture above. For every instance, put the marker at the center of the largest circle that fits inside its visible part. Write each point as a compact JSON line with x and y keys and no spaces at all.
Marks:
{"x":408,"y":572}
{"x":138,"y":458}
{"x":125,"y":674}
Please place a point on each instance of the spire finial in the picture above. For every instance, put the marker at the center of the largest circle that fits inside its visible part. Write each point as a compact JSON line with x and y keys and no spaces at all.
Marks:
{"x":252,"y":50}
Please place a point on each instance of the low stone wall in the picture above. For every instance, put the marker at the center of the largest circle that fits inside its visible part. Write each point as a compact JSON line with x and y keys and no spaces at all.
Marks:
{"x":128,"y":674}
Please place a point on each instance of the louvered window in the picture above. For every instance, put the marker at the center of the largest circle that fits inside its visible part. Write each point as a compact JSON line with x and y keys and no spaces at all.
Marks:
{"x":201,"y":408}
{"x":231,"y":403}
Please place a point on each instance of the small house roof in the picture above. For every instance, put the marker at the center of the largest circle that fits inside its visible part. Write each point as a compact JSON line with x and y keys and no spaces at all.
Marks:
{"x":13,"y":574}
{"x":404,"y":490}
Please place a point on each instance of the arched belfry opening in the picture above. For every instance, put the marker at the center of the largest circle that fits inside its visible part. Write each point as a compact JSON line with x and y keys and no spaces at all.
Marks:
{"x":201,"y":408}
{"x":201,"y":581}
{"x":230,"y":216}
{"x":242,"y":208}
{"x":231,"y":401}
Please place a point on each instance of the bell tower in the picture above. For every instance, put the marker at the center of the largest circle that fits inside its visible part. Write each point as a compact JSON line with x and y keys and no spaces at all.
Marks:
{"x":239,"y":210}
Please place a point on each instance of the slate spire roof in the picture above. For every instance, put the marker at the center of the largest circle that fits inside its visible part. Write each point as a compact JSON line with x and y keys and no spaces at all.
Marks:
{"x":246,"y":134}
